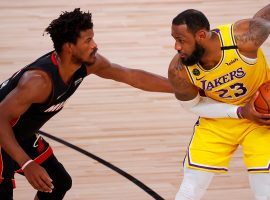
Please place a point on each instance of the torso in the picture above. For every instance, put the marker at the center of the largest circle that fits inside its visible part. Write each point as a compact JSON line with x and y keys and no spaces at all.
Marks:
{"x":235,"y":78}
{"x":38,"y":114}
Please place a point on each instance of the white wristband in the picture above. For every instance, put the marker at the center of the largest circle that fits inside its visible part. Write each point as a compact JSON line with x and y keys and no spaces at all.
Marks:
{"x":26,"y":163}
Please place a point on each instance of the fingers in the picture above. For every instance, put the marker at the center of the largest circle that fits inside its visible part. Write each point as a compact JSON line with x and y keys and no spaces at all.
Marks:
{"x":262,"y":119}
{"x":263,"y":116}
{"x":48,"y":182}
{"x":249,"y":112}
{"x":38,"y":178}
{"x":40,"y":186}
{"x":42,"y":183}
{"x":264,"y":122}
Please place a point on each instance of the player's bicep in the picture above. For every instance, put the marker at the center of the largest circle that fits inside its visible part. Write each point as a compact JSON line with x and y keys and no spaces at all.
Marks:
{"x":250,"y":34}
{"x":32,"y":88}
{"x":13,"y":105}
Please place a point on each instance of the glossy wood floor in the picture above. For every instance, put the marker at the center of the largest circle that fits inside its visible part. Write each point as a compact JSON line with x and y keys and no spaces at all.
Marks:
{"x":144,"y":134}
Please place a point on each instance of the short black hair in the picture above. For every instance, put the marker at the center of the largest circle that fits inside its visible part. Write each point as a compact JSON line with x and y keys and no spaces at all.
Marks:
{"x":194,"y":19}
{"x":67,"y":27}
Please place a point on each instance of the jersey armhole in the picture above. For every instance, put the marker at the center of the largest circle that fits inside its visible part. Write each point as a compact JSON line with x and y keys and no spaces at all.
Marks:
{"x":50,"y":98}
{"x":189,"y":75}
{"x":249,"y":61}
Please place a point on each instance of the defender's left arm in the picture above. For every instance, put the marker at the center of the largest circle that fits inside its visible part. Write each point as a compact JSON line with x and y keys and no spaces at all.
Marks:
{"x":134,"y":77}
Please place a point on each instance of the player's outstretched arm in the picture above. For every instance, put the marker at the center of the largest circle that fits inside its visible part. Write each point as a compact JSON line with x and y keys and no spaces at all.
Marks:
{"x":134,"y":77}
{"x":33,"y":87}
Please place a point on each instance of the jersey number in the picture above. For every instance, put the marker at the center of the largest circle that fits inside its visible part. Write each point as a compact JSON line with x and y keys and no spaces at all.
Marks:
{"x":238,"y":88}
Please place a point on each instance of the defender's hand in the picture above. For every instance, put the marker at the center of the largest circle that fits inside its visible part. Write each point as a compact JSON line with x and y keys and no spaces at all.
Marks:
{"x":38,"y":177}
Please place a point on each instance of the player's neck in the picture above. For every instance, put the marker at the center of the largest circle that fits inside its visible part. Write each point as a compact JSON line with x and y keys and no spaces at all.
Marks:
{"x":66,"y":67}
{"x":212,"y":54}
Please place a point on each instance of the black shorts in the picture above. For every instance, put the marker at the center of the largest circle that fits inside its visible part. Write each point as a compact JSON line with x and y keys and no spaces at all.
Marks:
{"x":40,"y":151}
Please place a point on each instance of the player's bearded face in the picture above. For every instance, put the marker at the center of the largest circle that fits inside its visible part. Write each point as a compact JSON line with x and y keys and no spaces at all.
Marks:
{"x":88,"y":58}
{"x":92,"y":57}
{"x":195,"y":56}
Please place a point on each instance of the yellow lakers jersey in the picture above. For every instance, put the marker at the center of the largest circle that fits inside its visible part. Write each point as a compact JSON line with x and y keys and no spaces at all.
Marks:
{"x":235,"y":79}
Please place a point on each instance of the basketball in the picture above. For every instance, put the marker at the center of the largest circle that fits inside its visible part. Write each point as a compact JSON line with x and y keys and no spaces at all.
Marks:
{"x":262,"y":102}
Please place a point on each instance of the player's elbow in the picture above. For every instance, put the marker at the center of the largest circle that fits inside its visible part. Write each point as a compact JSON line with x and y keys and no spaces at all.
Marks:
{"x":187,"y":102}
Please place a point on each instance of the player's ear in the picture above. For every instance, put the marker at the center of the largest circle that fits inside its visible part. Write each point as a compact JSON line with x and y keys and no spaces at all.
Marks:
{"x":67,"y":47}
{"x":201,"y":35}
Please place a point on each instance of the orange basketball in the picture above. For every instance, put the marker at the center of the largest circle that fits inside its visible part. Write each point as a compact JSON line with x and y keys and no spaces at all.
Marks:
{"x":262,"y":103}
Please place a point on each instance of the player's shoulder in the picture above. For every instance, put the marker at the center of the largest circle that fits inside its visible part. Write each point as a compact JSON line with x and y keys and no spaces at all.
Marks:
{"x":35,"y":78}
{"x":35,"y":86}
{"x":101,"y":60}
{"x":249,"y":35}
{"x":100,"y":64}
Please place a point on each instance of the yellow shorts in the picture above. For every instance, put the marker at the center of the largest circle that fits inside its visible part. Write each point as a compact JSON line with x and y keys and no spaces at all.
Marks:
{"x":215,"y":140}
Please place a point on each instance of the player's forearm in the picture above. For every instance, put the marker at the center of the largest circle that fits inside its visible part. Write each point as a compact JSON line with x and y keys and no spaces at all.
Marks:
{"x":149,"y":82}
{"x":9,"y":143}
{"x":263,"y":13}
{"x":134,"y":77}
{"x":209,"y":108}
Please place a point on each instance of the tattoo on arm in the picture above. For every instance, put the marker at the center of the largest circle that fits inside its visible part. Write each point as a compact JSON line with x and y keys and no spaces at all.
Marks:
{"x":263,"y":13}
{"x":256,"y":34}
{"x":177,"y":81}
{"x":266,"y":16}
{"x":184,"y":90}
{"x":179,"y":66}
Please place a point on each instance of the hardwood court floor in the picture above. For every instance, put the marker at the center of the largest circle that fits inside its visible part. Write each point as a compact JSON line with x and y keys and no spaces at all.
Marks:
{"x":144,"y":134}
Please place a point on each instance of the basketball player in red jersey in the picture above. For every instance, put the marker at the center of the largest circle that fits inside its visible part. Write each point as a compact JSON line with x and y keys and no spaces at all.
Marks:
{"x":37,"y":92}
{"x":227,"y":65}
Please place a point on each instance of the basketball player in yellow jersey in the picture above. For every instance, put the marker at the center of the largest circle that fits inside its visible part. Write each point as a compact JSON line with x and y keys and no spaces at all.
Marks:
{"x":226,"y":65}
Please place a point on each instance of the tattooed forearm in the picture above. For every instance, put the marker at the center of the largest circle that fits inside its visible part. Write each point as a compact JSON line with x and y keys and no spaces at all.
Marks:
{"x":179,"y":65}
{"x":184,"y":90}
{"x":257,"y":32}
{"x":264,"y":13}
{"x":177,"y":80}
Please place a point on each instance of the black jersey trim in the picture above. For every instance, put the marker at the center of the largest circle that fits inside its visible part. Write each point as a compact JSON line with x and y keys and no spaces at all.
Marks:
{"x":228,"y":47}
